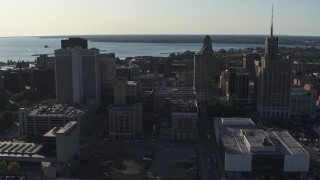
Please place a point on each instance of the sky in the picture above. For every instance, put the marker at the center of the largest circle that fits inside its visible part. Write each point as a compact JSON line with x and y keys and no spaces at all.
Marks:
{"x":85,"y":17}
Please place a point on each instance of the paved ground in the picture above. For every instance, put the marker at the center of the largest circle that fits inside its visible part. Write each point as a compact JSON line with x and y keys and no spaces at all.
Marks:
{"x":115,"y":161}
{"x":174,"y":163}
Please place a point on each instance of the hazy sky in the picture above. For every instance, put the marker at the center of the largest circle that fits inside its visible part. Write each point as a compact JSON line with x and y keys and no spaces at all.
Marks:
{"x":67,"y":17}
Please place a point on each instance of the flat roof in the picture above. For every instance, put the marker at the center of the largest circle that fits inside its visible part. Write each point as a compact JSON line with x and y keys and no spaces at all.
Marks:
{"x":131,"y":107}
{"x":176,"y":90}
{"x":182,"y":105}
{"x":59,"y":130}
{"x":46,"y":109}
{"x":241,"y":136}
{"x":237,"y":121}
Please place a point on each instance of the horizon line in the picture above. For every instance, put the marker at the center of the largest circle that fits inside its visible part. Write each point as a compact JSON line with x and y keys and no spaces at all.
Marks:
{"x":202,"y":34}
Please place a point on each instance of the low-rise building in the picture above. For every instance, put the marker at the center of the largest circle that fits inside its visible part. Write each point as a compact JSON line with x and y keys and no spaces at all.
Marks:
{"x":247,"y":151}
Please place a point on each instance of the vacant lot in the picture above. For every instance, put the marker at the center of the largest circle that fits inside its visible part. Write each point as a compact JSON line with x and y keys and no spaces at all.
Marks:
{"x":174,"y":163}
{"x":108,"y":161}
{"x":123,"y":160}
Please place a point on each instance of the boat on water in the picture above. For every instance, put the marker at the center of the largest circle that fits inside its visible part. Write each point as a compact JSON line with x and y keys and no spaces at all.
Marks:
{"x":45,"y":46}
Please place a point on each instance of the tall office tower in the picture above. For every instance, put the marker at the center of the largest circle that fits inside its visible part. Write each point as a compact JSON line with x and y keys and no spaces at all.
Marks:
{"x":108,"y":76}
{"x":206,"y":68}
{"x":71,"y":43}
{"x":249,"y":63}
{"x":77,"y":76}
{"x":237,"y":84}
{"x":274,"y":81}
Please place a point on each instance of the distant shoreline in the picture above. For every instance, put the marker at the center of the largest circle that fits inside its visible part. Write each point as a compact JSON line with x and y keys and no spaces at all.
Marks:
{"x":233,"y":39}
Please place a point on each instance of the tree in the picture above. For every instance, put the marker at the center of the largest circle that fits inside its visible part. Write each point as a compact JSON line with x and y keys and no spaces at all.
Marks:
{"x":3,"y":165}
{"x":13,"y":166}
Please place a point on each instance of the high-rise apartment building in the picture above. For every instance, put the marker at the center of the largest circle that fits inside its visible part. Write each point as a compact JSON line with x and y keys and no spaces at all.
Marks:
{"x":206,"y":68}
{"x":77,"y":76}
{"x":274,"y":81}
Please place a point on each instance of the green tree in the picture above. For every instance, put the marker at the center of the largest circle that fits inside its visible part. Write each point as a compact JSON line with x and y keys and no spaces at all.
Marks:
{"x":3,"y":165}
{"x":7,"y":119}
{"x":13,"y":166}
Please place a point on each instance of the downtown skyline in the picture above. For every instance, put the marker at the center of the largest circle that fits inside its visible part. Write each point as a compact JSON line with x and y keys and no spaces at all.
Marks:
{"x":39,"y":18}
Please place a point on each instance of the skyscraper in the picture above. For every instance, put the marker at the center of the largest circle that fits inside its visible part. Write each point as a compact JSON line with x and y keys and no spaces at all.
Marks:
{"x":237,"y":84}
{"x":77,"y":76}
{"x":206,"y":68}
{"x":274,"y":82}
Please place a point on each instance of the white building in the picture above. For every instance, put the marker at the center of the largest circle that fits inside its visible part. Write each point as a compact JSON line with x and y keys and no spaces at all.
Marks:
{"x":247,"y":151}
{"x":66,"y":141}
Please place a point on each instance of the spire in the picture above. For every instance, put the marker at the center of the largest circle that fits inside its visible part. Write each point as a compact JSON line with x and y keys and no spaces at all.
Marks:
{"x":272,"y":22}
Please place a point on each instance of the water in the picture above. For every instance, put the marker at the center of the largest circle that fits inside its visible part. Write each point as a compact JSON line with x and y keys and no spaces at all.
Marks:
{"x":22,"y":48}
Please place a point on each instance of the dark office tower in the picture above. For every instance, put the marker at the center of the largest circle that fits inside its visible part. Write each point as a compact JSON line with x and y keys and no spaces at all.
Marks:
{"x":249,"y":64}
{"x":74,"y":42}
{"x":274,"y":81}
{"x":77,"y":76}
{"x":237,"y":85}
{"x":206,"y":68}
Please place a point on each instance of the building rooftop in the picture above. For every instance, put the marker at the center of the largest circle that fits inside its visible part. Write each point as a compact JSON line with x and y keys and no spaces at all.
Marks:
{"x":180,"y":105}
{"x":176,"y":90}
{"x":56,"y":110}
{"x":19,"y":148}
{"x":241,"y":136}
{"x":60,"y":130}
{"x":300,"y":91}
{"x":130,"y":107}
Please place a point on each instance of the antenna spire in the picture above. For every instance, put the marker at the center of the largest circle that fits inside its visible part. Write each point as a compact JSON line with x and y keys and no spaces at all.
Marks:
{"x":272,"y":22}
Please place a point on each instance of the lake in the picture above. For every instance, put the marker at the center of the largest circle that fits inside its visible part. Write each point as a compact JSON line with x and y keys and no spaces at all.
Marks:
{"x":22,"y":48}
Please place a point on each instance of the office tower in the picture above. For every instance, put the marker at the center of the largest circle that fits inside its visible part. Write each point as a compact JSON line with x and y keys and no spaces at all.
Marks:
{"x":74,"y":42}
{"x":206,"y":68}
{"x":237,"y":84}
{"x":274,"y":81}
{"x":108,"y":71}
{"x":249,"y":63}
{"x":77,"y":76}
{"x":108,"y":77}
{"x":126,"y":114}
